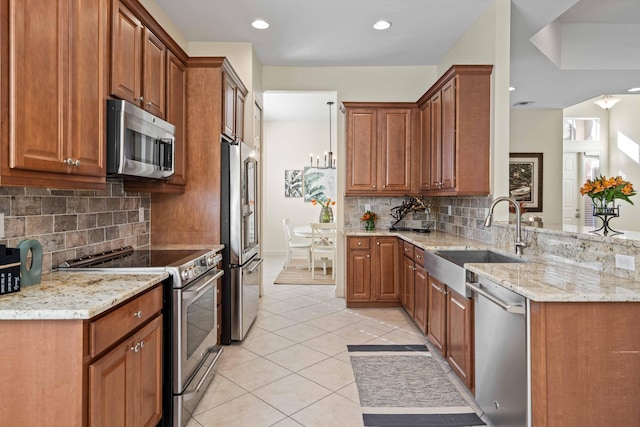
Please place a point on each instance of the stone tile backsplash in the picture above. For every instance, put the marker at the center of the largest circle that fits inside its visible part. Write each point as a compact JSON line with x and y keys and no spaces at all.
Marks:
{"x":73,"y":223}
{"x":459,"y":215}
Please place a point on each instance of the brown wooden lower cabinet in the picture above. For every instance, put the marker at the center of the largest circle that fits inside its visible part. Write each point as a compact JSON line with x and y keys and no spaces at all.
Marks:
{"x":460,"y":341}
{"x":408,"y":285}
{"x":421,"y":291}
{"x":437,"y":301}
{"x":373,"y":272}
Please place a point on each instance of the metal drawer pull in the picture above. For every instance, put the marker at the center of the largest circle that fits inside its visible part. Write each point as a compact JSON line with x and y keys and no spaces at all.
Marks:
{"x":136,"y":348}
{"x":509,"y":308}
{"x":138,"y":314}
{"x":359,"y":243}
{"x":142,"y":344}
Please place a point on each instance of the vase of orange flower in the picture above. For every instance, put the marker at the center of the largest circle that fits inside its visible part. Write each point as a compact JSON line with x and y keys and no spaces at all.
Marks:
{"x":326,"y":213}
{"x":604,"y":192}
{"x":369,"y":218}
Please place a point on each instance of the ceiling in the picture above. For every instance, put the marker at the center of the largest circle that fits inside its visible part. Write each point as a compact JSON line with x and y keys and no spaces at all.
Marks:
{"x":564,"y":68}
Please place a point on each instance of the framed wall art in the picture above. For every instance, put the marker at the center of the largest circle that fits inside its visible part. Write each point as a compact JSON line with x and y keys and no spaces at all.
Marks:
{"x":293,"y":183}
{"x":319,"y":184}
{"x":525,"y":179}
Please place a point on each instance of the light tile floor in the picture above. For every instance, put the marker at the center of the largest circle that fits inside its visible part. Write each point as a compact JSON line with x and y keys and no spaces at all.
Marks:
{"x":293,"y":369}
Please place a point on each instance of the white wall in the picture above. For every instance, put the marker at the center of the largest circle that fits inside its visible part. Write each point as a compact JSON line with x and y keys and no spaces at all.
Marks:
{"x":165,"y":21}
{"x":540,"y":131}
{"x":287,"y":146}
{"x":624,"y":126}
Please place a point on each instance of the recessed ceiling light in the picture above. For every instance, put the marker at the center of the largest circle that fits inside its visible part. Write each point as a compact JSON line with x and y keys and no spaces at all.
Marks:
{"x":382,"y":25}
{"x":511,"y":88}
{"x":634,"y":89}
{"x":259,"y":24}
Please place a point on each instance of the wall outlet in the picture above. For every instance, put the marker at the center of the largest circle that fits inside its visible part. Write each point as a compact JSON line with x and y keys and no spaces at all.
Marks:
{"x":367,"y":207}
{"x":626,"y":262}
{"x":449,"y":210}
{"x":141,"y":214}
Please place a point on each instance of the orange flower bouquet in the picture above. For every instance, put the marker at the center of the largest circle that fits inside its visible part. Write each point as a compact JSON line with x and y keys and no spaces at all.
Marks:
{"x":369,"y":218}
{"x":605,"y":190}
{"x":326,"y":213}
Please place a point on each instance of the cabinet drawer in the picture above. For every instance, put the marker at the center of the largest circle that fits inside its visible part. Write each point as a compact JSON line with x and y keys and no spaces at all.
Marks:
{"x":408,"y":249}
{"x":108,"y":329}
{"x":359,"y":242}
{"x":418,"y":256}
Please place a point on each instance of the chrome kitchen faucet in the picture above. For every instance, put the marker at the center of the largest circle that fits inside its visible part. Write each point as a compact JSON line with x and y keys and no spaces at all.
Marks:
{"x":520,"y":244}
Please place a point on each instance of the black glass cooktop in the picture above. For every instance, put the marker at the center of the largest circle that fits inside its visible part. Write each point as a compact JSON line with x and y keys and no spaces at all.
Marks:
{"x":139,"y":258}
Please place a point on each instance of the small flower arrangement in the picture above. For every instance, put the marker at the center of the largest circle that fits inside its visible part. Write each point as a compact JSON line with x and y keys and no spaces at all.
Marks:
{"x":369,"y":218}
{"x":604,"y":190}
{"x":326,"y":214}
{"x":323,"y":204}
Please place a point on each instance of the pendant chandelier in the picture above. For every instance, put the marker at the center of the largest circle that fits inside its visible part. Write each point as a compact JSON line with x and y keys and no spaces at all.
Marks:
{"x":329,"y":158}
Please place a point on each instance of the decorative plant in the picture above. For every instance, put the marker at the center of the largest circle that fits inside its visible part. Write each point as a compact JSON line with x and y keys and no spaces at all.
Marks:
{"x":604,"y":190}
{"x":323,"y":203}
{"x":326,"y":215}
{"x":369,"y":218}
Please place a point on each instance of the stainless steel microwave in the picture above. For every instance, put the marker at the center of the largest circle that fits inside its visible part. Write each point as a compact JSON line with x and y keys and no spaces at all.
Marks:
{"x":138,"y":143}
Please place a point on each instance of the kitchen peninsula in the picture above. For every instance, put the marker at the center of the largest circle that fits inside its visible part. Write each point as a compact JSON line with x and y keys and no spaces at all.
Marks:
{"x":583,"y":347}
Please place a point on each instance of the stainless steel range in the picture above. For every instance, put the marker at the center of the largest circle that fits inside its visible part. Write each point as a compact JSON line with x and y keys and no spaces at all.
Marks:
{"x":190,"y":317}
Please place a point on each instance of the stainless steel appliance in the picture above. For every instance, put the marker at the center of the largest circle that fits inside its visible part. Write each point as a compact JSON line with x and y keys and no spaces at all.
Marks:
{"x":501,"y":354}
{"x":138,"y":143}
{"x":240,"y":236}
{"x":190,"y":318}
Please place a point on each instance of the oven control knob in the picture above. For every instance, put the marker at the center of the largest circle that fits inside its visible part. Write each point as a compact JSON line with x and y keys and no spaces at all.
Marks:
{"x":210,"y":260}
{"x":203,"y":262}
{"x":185,"y":275}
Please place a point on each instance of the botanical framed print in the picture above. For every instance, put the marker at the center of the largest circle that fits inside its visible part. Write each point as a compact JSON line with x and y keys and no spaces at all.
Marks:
{"x":319,"y":184}
{"x":525,"y":179}
{"x":292,"y":183}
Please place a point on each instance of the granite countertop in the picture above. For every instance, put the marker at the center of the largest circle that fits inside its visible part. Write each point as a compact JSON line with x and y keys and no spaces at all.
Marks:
{"x":538,"y":279}
{"x":74,"y":295}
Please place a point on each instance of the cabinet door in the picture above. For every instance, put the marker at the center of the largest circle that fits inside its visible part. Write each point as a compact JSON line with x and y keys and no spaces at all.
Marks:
{"x":146,"y":375}
{"x":176,"y":113}
{"x":386,"y":270}
{"x":358,"y":275}
{"x":109,"y":390}
{"x":436,"y":141}
{"x":460,"y":336}
{"x":424,"y":175}
{"x":421,"y":298}
{"x":448,"y":177}
{"x":229,"y":107}
{"x":362,"y":131}
{"x":154,"y":82}
{"x":395,"y":150}
{"x":408,"y":285}
{"x":126,"y":55}
{"x":437,"y":314}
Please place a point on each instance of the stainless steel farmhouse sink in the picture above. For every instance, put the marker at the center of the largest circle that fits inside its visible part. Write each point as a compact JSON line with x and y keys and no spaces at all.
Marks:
{"x":477,"y":256}
{"x":448,"y":265}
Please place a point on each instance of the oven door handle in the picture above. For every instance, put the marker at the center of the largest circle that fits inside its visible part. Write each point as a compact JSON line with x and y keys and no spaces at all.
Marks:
{"x":257,"y":263}
{"x":189,"y":296}
{"x":191,"y":394}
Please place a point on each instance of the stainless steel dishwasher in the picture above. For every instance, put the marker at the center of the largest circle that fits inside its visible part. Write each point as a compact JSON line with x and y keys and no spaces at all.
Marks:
{"x":501,"y":369}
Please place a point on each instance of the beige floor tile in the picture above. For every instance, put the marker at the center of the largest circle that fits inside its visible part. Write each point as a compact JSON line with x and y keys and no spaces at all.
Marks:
{"x":193,"y":423}
{"x":303,"y":314}
{"x":255,"y":331}
{"x":350,"y":392}
{"x":343,"y":357}
{"x":300,"y":332}
{"x":220,"y":390}
{"x":266,"y":344}
{"x":304,"y":300}
{"x":280,"y":307}
{"x":287,"y":422}
{"x":328,"y":344}
{"x":254,"y":374}
{"x":274,"y":322}
{"x":334,"y":321}
{"x":243,"y":411}
{"x":358,"y":333}
{"x":330,"y":373}
{"x":332,"y":411}
{"x":400,"y":336}
{"x":291,"y":394}
{"x":296,"y":357}
{"x":234,"y":355}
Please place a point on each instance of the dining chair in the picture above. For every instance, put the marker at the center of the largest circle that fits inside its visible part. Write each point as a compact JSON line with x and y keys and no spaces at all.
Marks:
{"x":294,"y":245}
{"x":323,"y":246}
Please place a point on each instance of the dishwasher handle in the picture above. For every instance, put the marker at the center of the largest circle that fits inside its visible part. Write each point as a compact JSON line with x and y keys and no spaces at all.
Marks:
{"x":510,"y":308}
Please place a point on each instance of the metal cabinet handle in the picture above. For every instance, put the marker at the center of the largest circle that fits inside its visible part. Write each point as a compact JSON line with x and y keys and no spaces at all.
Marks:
{"x":141,"y":98}
{"x":149,"y":103}
{"x":368,"y":256}
{"x":138,"y":314}
{"x":76,"y":163}
{"x":384,"y":186}
{"x":374,"y":186}
{"x":136,"y":348}
{"x":142,"y":344}
{"x":71,"y":162}
{"x":359,"y":243}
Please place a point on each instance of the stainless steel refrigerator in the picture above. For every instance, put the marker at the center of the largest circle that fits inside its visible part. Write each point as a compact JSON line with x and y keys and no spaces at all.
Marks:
{"x":240,"y":234}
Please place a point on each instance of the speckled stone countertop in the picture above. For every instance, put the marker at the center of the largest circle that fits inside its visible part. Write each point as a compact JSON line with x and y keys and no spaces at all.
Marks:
{"x":74,"y":295}
{"x":537,"y":279}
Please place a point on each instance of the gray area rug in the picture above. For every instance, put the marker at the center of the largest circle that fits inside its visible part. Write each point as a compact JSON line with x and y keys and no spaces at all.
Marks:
{"x":405,"y":386}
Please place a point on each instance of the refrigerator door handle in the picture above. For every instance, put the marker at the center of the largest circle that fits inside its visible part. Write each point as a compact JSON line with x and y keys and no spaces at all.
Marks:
{"x":257,"y":263}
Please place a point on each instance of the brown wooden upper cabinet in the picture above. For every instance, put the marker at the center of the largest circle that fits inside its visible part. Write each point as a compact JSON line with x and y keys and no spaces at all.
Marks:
{"x":455,"y":133}
{"x":138,"y":62}
{"x":379,"y":142}
{"x":54,"y":102}
{"x":233,"y":94}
